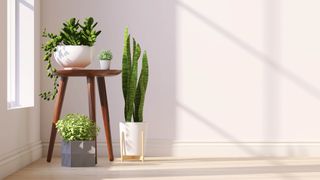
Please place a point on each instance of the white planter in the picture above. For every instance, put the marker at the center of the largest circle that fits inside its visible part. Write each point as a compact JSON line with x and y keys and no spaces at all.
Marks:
{"x":132,"y":138}
{"x":73,"y":56}
{"x":105,"y":64}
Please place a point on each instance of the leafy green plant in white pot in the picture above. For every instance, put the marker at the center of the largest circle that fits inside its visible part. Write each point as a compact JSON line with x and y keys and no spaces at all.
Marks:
{"x":72,"y":47}
{"x":78,"y":146}
{"x":105,"y":58}
{"x":133,"y":129}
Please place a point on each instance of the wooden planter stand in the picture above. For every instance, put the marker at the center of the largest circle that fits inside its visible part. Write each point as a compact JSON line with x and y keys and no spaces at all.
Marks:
{"x":90,"y":75}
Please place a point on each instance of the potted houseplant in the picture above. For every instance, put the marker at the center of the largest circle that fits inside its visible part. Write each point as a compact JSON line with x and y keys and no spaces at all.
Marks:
{"x":78,"y":146}
{"x":133,"y":129}
{"x":105,"y":59}
{"x":71,"y":48}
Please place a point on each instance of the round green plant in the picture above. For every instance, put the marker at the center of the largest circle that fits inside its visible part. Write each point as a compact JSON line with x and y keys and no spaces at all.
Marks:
{"x":77,"y":127}
{"x":72,"y":33}
{"x":105,"y":55}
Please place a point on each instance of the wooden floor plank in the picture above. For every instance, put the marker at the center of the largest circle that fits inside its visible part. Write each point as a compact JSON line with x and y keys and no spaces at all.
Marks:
{"x":178,"y":169}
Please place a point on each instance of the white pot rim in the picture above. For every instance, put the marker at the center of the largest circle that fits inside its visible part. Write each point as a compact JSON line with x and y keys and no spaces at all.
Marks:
{"x":74,"y":45}
{"x":133,"y":122}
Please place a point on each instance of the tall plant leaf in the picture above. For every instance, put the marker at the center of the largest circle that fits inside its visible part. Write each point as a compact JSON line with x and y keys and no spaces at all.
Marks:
{"x":141,"y":89}
{"x":132,"y":84}
{"x":126,"y":68}
{"x":126,"y":63}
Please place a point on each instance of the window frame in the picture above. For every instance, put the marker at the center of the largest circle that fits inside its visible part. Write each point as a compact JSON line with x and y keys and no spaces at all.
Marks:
{"x":15,"y":87}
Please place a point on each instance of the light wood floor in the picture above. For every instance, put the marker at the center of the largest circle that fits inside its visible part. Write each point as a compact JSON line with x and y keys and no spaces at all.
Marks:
{"x":179,"y":169}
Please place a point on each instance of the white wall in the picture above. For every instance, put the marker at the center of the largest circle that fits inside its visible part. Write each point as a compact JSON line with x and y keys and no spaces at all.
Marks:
{"x":19,"y":128}
{"x":227,"y":78}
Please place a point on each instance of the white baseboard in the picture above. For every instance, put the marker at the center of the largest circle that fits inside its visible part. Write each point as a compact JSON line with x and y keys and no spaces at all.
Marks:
{"x":19,"y":158}
{"x":213,"y":149}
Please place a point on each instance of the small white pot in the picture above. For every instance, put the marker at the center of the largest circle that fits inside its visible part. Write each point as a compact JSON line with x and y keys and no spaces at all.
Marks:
{"x":132,"y":137}
{"x":73,"y":56}
{"x":105,"y":64}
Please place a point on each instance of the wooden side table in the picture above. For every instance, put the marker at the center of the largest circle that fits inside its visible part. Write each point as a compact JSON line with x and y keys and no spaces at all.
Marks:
{"x":90,"y":74}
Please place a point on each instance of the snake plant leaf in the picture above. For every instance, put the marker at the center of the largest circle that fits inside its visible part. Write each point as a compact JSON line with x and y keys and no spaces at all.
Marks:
{"x":141,"y":89}
{"x":132,"y":84}
{"x":126,"y":63}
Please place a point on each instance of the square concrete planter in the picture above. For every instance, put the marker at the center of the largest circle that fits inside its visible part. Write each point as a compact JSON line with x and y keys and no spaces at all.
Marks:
{"x":78,"y":153}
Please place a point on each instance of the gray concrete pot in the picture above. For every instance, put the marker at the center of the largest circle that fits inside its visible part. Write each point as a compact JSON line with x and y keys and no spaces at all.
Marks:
{"x":78,"y":153}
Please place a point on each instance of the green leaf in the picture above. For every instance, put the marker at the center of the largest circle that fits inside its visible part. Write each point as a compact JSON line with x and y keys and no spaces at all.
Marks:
{"x":132,"y":83}
{"x":126,"y":67}
{"x":141,"y":89}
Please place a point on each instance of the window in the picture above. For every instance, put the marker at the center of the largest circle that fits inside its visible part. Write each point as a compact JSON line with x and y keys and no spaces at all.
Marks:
{"x":20,"y":43}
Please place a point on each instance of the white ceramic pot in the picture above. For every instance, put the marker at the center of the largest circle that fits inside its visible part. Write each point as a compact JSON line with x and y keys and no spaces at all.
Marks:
{"x":133,"y":139}
{"x":73,"y":56}
{"x":105,"y":64}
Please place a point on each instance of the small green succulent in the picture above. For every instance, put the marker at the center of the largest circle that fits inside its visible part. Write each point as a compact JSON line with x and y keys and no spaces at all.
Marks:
{"x":105,"y":55}
{"x":77,"y":127}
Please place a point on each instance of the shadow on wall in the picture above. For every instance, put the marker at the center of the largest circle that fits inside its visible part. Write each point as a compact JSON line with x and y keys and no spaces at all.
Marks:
{"x":264,"y":58}
{"x":273,"y":69}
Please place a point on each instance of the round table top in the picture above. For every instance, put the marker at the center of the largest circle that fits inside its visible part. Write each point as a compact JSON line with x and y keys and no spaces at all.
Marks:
{"x":87,"y":72}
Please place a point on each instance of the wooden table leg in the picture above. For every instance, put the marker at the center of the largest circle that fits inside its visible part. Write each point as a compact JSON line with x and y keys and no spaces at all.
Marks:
{"x":92,"y":106}
{"x":57,"y":111}
{"x":105,"y":114}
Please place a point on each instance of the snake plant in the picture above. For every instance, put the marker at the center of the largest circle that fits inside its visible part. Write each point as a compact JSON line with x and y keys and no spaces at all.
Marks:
{"x":134,"y":89}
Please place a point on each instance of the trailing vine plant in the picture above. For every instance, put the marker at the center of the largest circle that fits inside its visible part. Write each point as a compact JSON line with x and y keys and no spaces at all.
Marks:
{"x":72,"y":33}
